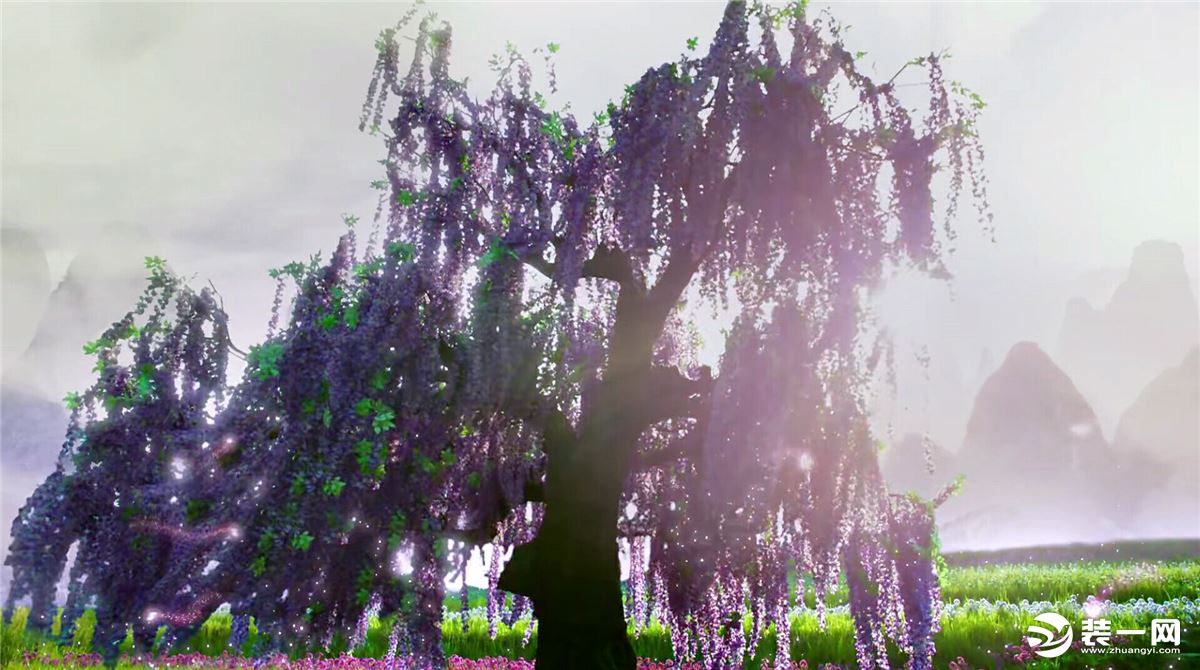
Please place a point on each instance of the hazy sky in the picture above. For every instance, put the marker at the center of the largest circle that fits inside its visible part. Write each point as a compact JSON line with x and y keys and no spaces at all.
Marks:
{"x":224,"y":138}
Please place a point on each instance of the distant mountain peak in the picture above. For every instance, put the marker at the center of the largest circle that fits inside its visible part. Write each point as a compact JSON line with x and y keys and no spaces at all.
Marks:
{"x":1156,"y":260}
{"x":1148,"y":324}
{"x":1030,"y":409}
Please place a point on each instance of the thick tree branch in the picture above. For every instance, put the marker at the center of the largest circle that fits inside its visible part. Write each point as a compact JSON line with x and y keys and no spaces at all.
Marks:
{"x":670,"y":394}
{"x":695,"y":396}
{"x":606,"y":263}
{"x":609,"y":263}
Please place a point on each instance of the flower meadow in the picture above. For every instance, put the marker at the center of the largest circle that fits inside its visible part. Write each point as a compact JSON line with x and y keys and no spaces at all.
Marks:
{"x":981,"y":627}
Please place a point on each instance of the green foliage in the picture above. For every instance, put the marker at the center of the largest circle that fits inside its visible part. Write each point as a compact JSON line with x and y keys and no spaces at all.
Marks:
{"x":258,"y":566}
{"x":333,"y":488}
{"x":495,"y":252}
{"x":764,"y":74}
{"x":364,"y":455}
{"x":263,"y":360}
{"x":295,"y":270}
{"x":384,"y":420}
{"x":368,"y":269}
{"x":976,"y":100}
{"x":379,"y":379}
{"x":302,"y":541}
{"x":98,"y":346}
{"x":197,"y":510}
{"x":402,"y":251}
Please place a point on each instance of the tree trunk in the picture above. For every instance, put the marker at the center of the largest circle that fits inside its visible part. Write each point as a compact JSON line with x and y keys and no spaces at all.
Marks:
{"x":571,"y":569}
{"x":581,"y":620}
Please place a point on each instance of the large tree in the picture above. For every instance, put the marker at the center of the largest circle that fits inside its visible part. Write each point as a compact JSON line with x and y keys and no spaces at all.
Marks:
{"x":511,"y":359}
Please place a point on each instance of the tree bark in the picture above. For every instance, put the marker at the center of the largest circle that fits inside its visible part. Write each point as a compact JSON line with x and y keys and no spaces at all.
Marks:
{"x":571,"y":569}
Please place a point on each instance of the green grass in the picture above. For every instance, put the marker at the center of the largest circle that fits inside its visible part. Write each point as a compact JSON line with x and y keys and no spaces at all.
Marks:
{"x":1120,"y":552}
{"x":974,"y":634}
{"x":1160,"y":581}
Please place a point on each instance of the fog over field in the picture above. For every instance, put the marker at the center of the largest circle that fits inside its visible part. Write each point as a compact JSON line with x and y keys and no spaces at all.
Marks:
{"x":1058,"y":371}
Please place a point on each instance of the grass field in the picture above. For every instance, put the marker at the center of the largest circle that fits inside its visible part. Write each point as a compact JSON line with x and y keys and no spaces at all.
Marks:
{"x":989,"y":602}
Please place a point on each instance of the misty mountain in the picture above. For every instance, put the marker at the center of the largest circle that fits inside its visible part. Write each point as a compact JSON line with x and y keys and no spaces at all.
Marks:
{"x":102,"y":283}
{"x":1034,"y":458}
{"x":1149,"y":324}
{"x":1030,"y":411}
{"x":1164,"y":420}
{"x":25,"y":284}
{"x":1163,"y":426}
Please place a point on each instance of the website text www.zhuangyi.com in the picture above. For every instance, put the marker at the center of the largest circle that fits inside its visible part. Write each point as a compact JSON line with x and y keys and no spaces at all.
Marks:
{"x":1141,"y":651}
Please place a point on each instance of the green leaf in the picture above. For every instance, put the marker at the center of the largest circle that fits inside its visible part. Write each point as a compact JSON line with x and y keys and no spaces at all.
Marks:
{"x":427,"y":465}
{"x":692,"y":43}
{"x":263,"y":360}
{"x":385,"y":419}
{"x":552,"y":127}
{"x":350,"y":317}
{"x":333,"y":488}
{"x":364,"y":406}
{"x":259,"y":566}
{"x":302,"y":541}
{"x":402,"y":251}
{"x":552,"y":48}
{"x":379,"y":379}
{"x":405,"y":198}
{"x":71,"y":400}
{"x":764,"y":74}
{"x":495,"y":252}
{"x":96,"y":346}
{"x":196,"y":510}
{"x":363,"y":451}
{"x":379,"y":184}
